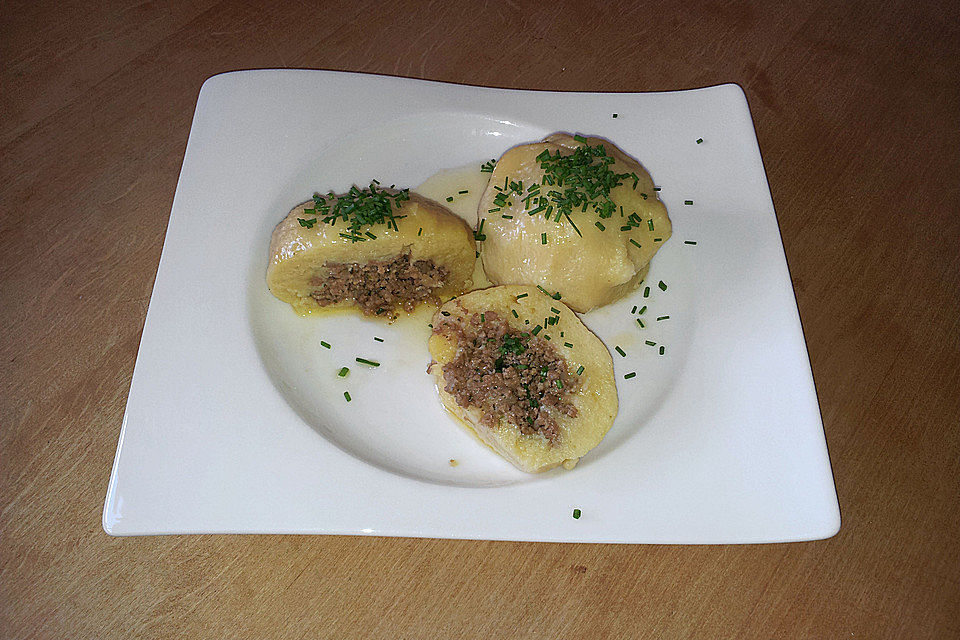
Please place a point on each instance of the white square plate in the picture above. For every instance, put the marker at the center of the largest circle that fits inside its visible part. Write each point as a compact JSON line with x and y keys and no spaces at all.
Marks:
{"x":236,"y":420}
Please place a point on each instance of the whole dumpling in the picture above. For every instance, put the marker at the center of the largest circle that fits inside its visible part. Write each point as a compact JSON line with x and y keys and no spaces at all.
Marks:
{"x":521,"y":370}
{"x":420,"y":251}
{"x":594,"y":253}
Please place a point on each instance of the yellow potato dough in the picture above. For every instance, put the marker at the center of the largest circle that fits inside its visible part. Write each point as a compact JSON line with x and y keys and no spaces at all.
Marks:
{"x":590,"y":269}
{"x":595,"y":398}
{"x":429,"y":231}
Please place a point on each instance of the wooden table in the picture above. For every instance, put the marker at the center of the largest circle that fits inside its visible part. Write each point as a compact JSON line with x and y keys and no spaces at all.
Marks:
{"x":857,"y":109}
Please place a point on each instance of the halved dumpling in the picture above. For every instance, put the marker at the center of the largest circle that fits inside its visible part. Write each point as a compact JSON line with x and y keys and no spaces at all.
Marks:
{"x":419,"y":252}
{"x":525,"y":374}
{"x":587,"y":230}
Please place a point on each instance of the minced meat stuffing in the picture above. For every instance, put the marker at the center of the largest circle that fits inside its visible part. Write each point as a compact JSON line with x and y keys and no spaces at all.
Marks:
{"x":508,"y":374}
{"x":379,"y":287}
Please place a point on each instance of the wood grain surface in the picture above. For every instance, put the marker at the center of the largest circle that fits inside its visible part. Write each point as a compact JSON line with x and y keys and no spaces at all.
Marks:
{"x":857,"y":109}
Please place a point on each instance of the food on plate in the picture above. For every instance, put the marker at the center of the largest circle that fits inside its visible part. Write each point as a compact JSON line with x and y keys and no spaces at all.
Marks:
{"x":377,"y":249}
{"x":521,"y":369}
{"x":574,"y":215}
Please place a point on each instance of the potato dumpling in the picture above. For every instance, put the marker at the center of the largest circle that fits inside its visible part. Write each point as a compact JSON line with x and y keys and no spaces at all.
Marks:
{"x":536,"y":397}
{"x":590,"y":237}
{"x":385,"y":250}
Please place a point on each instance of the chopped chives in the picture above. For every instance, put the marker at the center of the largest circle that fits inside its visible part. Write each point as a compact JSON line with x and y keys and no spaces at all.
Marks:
{"x":546,"y":337}
{"x":555,"y":310}
{"x":449,"y":198}
{"x":699,"y":140}
{"x":688,"y":202}
{"x":642,"y":309}
{"x":576,"y":514}
{"x":464,"y":191}
{"x":656,"y":188}
{"x":543,"y":238}
{"x":514,"y":312}
{"x":662,"y":285}
{"x":658,"y":239}
{"x":346,"y":394}
{"x":343,"y":372}
{"x":537,"y":329}
{"x":689,"y":242}
{"x":483,"y":317}
{"x":635,"y":243}
{"x":659,"y":318}
{"x":445,"y":313}
{"x":650,"y":224}
{"x":625,"y":228}
{"x":325,"y":345}
{"x":573,"y":225}
{"x":632,"y":374}
{"x":568,"y":345}
{"x":420,"y":232}
{"x":378,"y":339}
{"x":662,"y":349}
{"x":650,"y":343}
{"x":600,"y":226}
{"x":615,"y":115}
{"x":634,"y":310}
{"x":620,"y":351}
{"x":646,"y":292}
{"x":506,"y":217}
{"x":370,"y":235}
{"x":372,"y":363}
{"x":580,"y":370}
{"x":640,"y":322}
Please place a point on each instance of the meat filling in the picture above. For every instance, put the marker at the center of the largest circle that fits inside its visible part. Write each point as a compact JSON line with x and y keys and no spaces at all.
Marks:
{"x":509,"y":375}
{"x":379,"y":287}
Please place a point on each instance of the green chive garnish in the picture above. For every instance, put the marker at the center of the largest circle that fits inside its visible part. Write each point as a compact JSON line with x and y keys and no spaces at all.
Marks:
{"x":646,"y":292}
{"x":420,"y":232}
{"x":615,"y":115}
{"x":689,"y":242}
{"x":650,"y":343}
{"x":600,"y":226}
{"x":688,"y":202}
{"x":640,"y":322}
{"x":522,"y":295}
{"x":659,"y":318}
{"x":372,"y":363}
{"x":620,"y":351}
{"x":378,"y":339}
{"x":650,"y":224}
{"x":635,"y":243}
{"x":568,"y":345}
{"x":634,"y":310}
{"x":576,"y":514}
{"x":642,"y":309}
{"x":580,"y":370}
{"x":464,"y":191}
{"x":537,"y":329}
{"x":449,"y":198}
{"x":543,"y":238}
{"x":662,"y":285}
{"x":632,"y":374}
{"x":325,"y":345}
{"x":699,"y":140}
{"x":661,"y":350}
{"x":514,"y":312}
{"x":343,"y":372}
{"x":346,"y":394}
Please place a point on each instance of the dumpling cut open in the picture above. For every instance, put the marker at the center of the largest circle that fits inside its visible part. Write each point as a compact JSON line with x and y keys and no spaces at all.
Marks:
{"x":522,"y":370}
